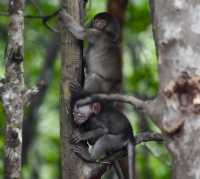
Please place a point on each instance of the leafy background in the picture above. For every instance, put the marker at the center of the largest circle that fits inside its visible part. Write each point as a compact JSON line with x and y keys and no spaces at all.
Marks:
{"x":42,"y":160}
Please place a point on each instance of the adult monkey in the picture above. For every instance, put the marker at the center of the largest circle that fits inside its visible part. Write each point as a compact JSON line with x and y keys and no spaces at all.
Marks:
{"x":102,"y":67}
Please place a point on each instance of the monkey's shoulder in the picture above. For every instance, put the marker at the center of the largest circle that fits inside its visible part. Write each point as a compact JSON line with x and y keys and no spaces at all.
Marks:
{"x":115,"y":120}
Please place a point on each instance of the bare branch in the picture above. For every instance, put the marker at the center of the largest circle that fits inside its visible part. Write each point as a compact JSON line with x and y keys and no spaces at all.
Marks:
{"x":43,"y":18}
{"x":147,"y":137}
{"x":142,"y":137}
{"x":30,"y":94}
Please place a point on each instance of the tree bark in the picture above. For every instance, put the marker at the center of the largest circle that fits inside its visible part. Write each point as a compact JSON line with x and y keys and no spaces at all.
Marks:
{"x":177,"y":37}
{"x":71,"y":68}
{"x":12,"y":91}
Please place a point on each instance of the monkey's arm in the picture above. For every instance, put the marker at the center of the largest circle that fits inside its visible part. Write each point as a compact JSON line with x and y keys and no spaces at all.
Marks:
{"x":93,"y":134}
{"x":70,"y":23}
{"x":76,"y":29}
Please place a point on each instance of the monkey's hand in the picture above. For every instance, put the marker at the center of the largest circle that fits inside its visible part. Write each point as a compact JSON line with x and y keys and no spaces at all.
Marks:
{"x":76,"y":137}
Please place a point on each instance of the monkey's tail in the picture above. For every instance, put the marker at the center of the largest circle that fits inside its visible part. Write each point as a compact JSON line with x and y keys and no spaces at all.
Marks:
{"x":131,"y":158}
{"x":118,"y":169}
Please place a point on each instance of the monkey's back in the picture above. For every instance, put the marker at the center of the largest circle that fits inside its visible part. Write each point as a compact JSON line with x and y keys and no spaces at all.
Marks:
{"x":102,"y":58}
{"x":116,"y":122}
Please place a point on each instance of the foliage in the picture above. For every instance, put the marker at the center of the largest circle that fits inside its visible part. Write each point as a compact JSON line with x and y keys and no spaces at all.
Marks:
{"x":140,"y":77}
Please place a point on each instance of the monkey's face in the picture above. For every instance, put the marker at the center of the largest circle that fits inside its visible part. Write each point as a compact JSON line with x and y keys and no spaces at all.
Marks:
{"x":99,"y":24}
{"x":107,"y":23}
{"x":81,"y":114}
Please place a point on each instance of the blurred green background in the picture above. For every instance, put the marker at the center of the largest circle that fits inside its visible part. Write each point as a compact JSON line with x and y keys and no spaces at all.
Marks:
{"x":42,"y":61}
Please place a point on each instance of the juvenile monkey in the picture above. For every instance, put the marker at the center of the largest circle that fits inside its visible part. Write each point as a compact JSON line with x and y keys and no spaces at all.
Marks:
{"x":107,"y":129}
{"x":101,"y":58}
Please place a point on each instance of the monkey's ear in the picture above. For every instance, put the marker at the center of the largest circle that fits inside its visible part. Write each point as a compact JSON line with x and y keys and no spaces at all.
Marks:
{"x":96,"y":108}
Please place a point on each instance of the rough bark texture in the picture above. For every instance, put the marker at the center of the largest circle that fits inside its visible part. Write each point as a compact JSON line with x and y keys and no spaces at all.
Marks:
{"x":12,"y":91}
{"x":71,"y":55}
{"x":177,"y":35}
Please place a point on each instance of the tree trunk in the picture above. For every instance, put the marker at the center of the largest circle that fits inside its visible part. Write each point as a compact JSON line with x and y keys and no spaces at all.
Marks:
{"x":176,"y":26}
{"x":12,"y":90}
{"x":71,"y":55}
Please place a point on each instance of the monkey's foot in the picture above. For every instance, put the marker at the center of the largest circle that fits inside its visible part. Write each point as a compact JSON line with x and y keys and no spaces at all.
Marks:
{"x":76,"y":138}
{"x":83,"y":153}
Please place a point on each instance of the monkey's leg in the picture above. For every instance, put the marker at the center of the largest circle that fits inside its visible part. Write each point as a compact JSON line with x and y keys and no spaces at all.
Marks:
{"x":93,"y":134}
{"x":96,"y":84}
{"x":107,"y":145}
{"x":83,"y":153}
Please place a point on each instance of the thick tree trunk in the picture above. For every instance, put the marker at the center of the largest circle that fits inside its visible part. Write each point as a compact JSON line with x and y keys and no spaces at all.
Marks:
{"x":12,"y":91}
{"x":176,"y":25}
{"x":70,"y":82}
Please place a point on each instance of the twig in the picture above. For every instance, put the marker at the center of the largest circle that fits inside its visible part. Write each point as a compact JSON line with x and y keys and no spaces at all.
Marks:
{"x":30,"y":94}
{"x":44,"y":18}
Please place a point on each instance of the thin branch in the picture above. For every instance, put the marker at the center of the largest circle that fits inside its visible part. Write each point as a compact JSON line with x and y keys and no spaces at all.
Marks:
{"x":147,"y":137}
{"x":142,"y":137}
{"x":35,"y":5}
{"x":43,"y":18}
{"x":30,"y":94}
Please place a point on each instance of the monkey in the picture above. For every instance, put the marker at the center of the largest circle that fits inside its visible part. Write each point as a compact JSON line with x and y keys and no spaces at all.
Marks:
{"x":101,"y":58}
{"x":107,"y":129}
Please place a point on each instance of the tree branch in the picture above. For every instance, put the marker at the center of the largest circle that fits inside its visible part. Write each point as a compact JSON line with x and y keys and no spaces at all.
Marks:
{"x":43,"y":18}
{"x":142,"y":137}
{"x":30,"y":94}
{"x":147,"y":137}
